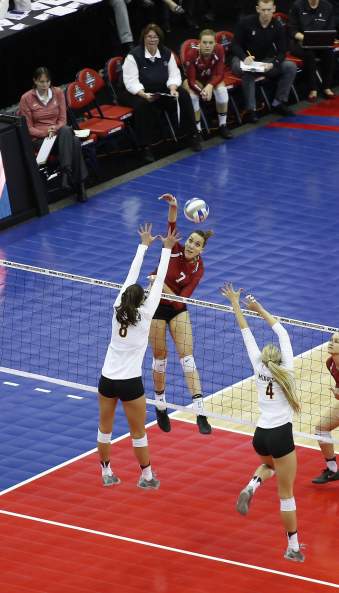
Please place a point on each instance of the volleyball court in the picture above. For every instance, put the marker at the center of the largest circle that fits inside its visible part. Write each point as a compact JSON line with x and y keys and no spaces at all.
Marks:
{"x":62,"y":531}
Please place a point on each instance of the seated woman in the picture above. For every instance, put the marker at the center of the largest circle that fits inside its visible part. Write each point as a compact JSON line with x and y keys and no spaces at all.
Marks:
{"x":205,"y":71}
{"x":313,"y":15}
{"x":44,"y":108}
{"x":149,"y":70}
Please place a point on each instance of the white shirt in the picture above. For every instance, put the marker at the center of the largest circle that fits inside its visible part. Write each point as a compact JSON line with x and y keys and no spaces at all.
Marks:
{"x":274,"y":408}
{"x":130,"y":72}
{"x":125,"y":355}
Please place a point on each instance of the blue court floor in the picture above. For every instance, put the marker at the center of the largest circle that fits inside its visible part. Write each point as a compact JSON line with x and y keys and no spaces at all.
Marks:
{"x":274,"y":208}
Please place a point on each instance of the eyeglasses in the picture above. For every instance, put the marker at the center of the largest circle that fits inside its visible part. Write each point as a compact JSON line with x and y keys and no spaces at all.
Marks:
{"x":155,"y":37}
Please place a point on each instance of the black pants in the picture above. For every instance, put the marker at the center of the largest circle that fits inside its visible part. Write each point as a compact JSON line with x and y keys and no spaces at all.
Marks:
{"x":325,"y":65}
{"x":67,"y":148}
{"x":146,"y":114}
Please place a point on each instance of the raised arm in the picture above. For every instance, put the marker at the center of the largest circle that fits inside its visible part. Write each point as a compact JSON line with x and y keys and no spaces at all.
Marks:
{"x":254,"y":305}
{"x":154,"y":296}
{"x":172,"y":209}
{"x":251,"y":346}
{"x":134,"y":271}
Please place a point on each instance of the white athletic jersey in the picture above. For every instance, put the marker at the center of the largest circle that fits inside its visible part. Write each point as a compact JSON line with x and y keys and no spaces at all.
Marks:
{"x":273,"y":405}
{"x":126,"y":351}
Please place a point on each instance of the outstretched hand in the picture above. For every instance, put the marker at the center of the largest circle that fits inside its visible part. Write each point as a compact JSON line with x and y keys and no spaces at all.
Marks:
{"x":232,"y":295}
{"x":172,"y":201}
{"x":172,"y":238}
{"x":252,"y":304}
{"x":145,"y":234}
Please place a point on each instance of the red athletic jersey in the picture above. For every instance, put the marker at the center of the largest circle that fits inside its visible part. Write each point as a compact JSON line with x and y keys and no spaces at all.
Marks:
{"x":333,"y":370}
{"x":205,"y":70}
{"x":182,"y":275}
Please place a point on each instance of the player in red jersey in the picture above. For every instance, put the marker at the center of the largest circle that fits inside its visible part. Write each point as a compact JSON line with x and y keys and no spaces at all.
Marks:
{"x":205,"y":69}
{"x":330,"y":420}
{"x":184,"y":273}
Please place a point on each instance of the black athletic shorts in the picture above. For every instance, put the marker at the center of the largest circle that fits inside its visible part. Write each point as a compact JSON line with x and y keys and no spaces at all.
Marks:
{"x":167,"y":312}
{"x":124,"y":389}
{"x":274,"y":441}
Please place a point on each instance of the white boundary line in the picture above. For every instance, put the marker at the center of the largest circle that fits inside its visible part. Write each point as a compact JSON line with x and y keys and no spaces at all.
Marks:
{"x":170,"y":549}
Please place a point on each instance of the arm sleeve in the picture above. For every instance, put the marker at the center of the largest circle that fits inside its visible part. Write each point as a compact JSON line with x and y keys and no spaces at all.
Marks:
{"x":219,"y":69}
{"x":130,"y":74}
{"x":25,"y":110}
{"x":153,"y":298}
{"x":191,"y":73}
{"x":238,"y":43}
{"x":280,"y":44}
{"x":62,"y":118}
{"x":293,"y":22}
{"x":253,"y":351}
{"x":174,"y":76}
{"x":133,"y":273}
{"x":287,"y":358}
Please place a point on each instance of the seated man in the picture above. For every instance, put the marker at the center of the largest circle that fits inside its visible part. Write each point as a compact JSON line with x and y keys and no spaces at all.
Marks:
{"x":313,"y":15}
{"x":261,"y":38}
{"x":205,"y":69}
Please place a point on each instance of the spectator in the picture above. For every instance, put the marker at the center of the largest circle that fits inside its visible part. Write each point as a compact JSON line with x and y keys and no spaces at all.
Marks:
{"x":313,"y":15}
{"x":122,"y":23}
{"x":149,"y":70}
{"x":205,"y":77}
{"x":260,"y":37}
{"x":44,"y":108}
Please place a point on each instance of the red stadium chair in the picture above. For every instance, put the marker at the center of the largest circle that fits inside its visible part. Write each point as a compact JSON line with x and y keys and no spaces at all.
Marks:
{"x":81,"y":104}
{"x":96,"y":83}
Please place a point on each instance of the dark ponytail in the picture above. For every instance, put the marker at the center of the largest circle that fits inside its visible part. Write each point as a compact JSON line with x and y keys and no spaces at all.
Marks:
{"x":127,"y":312}
{"x":204,"y":234}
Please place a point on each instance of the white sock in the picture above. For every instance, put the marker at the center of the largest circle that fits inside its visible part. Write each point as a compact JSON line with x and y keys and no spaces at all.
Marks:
{"x":147,"y":473}
{"x":332,"y":465}
{"x":106,"y":470}
{"x":198,"y":126}
{"x":198,"y":404}
{"x":275,"y":103}
{"x":222,"y":118}
{"x":160,"y":399}
{"x":254,"y":483}
{"x":293,"y":543}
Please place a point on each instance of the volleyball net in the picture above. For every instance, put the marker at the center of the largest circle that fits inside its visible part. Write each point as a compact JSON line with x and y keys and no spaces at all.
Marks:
{"x":57,"y":326}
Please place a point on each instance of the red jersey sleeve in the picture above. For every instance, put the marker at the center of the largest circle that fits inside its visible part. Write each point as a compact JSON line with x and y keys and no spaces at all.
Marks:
{"x":191,"y":71}
{"x":219,"y":67}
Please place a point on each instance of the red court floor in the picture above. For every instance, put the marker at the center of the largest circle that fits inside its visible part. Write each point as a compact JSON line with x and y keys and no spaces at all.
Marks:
{"x":78,"y":549}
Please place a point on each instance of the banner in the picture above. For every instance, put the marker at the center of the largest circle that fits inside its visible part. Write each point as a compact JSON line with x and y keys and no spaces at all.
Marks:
{"x":5,"y":207}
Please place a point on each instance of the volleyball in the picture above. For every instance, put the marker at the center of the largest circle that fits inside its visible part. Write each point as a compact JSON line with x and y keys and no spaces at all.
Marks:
{"x":196,"y":210}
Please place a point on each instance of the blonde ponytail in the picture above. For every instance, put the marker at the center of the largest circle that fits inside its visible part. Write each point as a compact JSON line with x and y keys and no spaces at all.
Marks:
{"x":271,"y":357}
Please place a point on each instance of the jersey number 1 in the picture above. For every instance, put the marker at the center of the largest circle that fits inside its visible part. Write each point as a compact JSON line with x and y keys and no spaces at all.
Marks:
{"x":269,"y":390}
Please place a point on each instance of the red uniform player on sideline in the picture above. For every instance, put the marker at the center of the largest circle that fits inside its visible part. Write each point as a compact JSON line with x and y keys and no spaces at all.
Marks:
{"x":185,"y":270}
{"x":330,"y":420}
{"x":205,"y":68}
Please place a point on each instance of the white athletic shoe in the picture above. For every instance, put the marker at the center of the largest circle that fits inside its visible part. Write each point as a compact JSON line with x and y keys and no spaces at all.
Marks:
{"x":110,"y":480}
{"x":244,"y":500}
{"x":152,"y":484}
{"x":295,"y":556}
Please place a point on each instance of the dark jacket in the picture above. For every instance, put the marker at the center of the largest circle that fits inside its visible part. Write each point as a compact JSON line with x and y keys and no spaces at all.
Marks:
{"x":304,"y":18}
{"x":251,"y":37}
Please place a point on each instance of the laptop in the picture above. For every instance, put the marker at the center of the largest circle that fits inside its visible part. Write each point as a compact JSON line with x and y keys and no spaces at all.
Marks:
{"x":319,"y":39}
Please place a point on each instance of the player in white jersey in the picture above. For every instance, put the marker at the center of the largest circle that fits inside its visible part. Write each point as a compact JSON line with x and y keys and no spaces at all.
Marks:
{"x":121,"y":373}
{"x":273,"y":437}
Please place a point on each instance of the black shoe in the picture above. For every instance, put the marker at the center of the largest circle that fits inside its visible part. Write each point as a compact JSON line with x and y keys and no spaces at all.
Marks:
{"x":326,"y":476}
{"x":148,"y":155}
{"x":282,"y":109}
{"x":203,"y":425}
{"x":252,"y":117}
{"x":163,"y":420}
{"x":81,"y":193}
{"x":196,"y":142}
{"x":225,"y":133}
